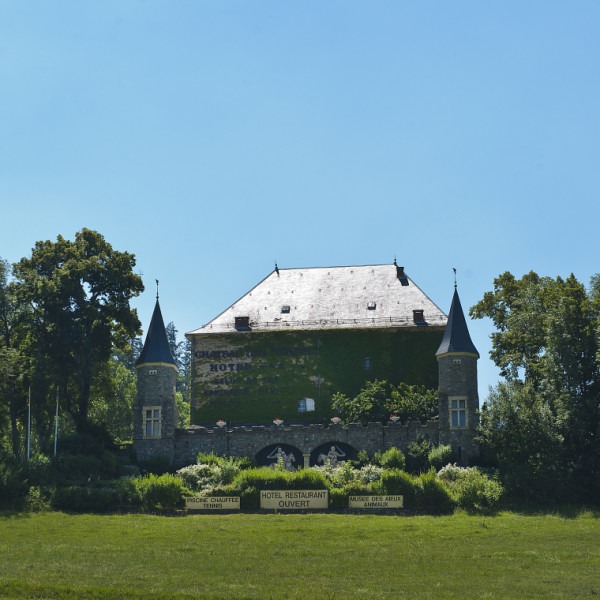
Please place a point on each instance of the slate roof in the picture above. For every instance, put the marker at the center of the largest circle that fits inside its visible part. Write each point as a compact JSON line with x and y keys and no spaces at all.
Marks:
{"x":156,"y":347}
{"x":330,"y":298}
{"x":456,"y":337}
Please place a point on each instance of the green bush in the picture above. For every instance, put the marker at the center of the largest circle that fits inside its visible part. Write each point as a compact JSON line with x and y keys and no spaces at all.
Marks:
{"x":392,"y":458}
{"x":250,"y":482}
{"x":161,"y":492}
{"x":158,"y":465}
{"x":76,"y":498}
{"x":37,"y":499}
{"x":339,"y":496}
{"x":440,"y":455}
{"x":241,"y":462}
{"x":13,"y":484}
{"x":39,"y":470}
{"x":397,"y":483}
{"x":421,"y":492}
{"x":432,"y":495}
{"x":473,"y":490}
{"x":417,"y":456}
{"x":361,"y":459}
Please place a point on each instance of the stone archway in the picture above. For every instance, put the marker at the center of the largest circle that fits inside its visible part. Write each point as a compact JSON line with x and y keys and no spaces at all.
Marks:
{"x":331,"y":453}
{"x":290,"y":455}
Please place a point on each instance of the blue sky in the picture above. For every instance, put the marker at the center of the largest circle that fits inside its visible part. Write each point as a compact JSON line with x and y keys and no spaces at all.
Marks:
{"x":212,"y":138}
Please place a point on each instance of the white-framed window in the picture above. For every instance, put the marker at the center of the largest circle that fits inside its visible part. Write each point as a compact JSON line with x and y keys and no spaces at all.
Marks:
{"x":151,"y":424}
{"x":457,"y":409}
{"x":306,"y":405}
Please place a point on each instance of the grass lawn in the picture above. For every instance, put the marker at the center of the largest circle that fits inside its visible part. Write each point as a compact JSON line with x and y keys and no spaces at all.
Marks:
{"x":53,"y":555}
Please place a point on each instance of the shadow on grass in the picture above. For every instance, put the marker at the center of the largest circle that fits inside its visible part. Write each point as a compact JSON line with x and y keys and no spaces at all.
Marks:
{"x":18,"y":589}
{"x":565,"y":511}
{"x":7,"y":513}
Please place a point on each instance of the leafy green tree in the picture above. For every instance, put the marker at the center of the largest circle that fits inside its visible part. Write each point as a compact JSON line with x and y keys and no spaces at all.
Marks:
{"x":369,"y":405}
{"x":13,"y":365}
{"x":113,"y":397}
{"x":378,"y":399}
{"x":413,"y":403}
{"x":181,"y":352}
{"x":547,"y":346}
{"x":78,"y":293}
{"x":526,"y":436}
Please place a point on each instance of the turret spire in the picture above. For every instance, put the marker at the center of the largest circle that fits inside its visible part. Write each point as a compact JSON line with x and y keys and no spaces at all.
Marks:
{"x":156,"y":347}
{"x":456,"y":336}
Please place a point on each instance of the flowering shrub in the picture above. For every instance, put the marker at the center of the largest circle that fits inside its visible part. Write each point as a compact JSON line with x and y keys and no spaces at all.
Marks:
{"x":473,"y":490}
{"x":198,"y":477}
{"x":369,"y":473}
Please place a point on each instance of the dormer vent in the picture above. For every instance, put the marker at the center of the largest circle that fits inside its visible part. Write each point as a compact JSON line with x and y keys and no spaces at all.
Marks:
{"x":285,"y":309}
{"x":242,"y":323}
{"x":371,"y":305}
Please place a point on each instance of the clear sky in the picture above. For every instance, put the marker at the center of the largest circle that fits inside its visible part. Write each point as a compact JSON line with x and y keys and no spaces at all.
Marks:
{"x":212,"y":139}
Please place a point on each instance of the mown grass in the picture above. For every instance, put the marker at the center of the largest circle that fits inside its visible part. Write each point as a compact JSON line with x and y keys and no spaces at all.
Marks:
{"x":54,"y":555}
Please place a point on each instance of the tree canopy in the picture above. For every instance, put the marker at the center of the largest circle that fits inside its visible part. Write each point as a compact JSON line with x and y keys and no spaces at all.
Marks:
{"x":547,"y":345}
{"x":378,"y":399}
{"x":78,"y":293}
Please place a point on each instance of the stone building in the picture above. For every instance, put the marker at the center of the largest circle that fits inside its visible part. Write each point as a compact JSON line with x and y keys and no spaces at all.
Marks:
{"x":264,"y":370}
{"x":300,"y":335}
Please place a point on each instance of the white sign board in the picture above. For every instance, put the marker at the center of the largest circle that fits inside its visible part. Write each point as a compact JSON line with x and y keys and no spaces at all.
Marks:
{"x":294,"y":499}
{"x":213,"y":503}
{"x":376,"y":502}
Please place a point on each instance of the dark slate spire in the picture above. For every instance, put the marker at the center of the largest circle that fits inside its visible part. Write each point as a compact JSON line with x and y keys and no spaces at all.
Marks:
{"x":456,"y":336}
{"x":156,"y":347}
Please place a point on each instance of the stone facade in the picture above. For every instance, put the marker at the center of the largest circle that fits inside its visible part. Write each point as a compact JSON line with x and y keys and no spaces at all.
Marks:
{"x":155,"y":391}
{"x":304,"y":440}
{"x":156,"y":433}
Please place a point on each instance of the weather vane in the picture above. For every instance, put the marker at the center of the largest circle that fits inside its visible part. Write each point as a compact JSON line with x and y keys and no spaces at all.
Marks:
{"x":454,"y":277}
{"x":156,"y":288}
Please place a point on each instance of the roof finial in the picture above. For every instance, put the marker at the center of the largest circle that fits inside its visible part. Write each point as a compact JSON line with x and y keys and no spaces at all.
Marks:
{"x":454,"y":277}
{"x":156,"y":288}
{"x":276,"y":268}
{"x":395,"y":263}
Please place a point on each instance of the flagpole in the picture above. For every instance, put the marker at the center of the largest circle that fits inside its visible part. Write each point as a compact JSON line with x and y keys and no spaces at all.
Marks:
{"x":29,"y":426}
{"x":56,"y":425}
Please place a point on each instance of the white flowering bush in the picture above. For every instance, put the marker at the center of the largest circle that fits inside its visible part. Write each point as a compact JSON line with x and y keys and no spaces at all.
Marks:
{"x":198,"y":477}
{"x":369,"y":474}
{"x":451,"y":472}
{"x":472,"y":489}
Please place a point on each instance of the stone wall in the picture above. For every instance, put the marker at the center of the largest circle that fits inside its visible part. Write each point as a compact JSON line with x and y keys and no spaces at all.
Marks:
{"x":249,"y":441}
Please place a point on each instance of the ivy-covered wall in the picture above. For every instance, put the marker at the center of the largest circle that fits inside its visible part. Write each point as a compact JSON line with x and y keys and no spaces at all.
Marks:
{"x":254,"y":377}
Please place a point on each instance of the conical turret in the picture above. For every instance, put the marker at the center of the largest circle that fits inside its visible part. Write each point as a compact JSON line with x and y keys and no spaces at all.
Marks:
{"x":458,"y":398}
{"x":156,"y":348}
{"x":456,"y":336}
{"x":155,"y":414}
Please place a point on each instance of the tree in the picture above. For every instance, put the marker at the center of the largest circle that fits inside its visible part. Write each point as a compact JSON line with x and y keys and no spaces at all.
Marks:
{"x":181,"y":352}
{"x":378,"y":399}
{"x":78,"y":292}
{"x":13,"y":365}
{"x":547,"y":345}
{"x":368,"y":405}
{"x":526,"y":439}
{"x":414,"y":403}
